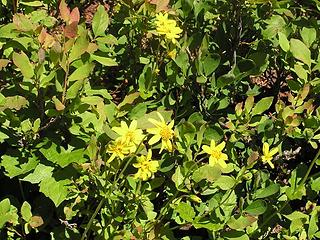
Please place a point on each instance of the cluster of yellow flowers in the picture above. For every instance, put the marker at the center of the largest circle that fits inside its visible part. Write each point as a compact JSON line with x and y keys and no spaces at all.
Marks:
{"x":217,"y":157}
{"x":130,"y":137}
{"x":167,"y":27}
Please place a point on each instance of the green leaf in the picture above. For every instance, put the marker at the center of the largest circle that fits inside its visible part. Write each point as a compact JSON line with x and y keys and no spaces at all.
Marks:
{"x":301,"y":72}
{"x":81,"y":72}
{"x":40,"y":172}
{"x":57,"y":191}
{"x":106,"y":61}
{"x":315,"y":184}
{"x":79,"y":48}
{"x":261,"y":106}
{"x":300,"y":51}
{"x":257,"y":207}
{"x":8,"y":213}
{"x":26,"y":211}
{"x":14,"y":102}
{"x":241,"y":222}
{"x":308,"y":35}
{"x":14,"y":167}
{"x":225,"y":80}
{"x":267,"y":191}
{"x":100,"y":21}
{"x":235,"y":235}
{"x":22,"y":62}
{"x":73,"y":91}
{"x":210,"y":63}
{"x":207,"y":172}
{"x":276,"y":24}
{"x":185,"y":211}
{"x":313,"y":224}
{"x":177,"y":177}
{"x":182,"y":60}
{"x":283,"y":41}
{"x":224,"y":182}
{"x":62,"y":157}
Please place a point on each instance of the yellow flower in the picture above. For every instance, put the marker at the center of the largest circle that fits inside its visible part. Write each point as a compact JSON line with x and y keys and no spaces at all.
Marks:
{"x":216,"y":154}
{"x":129,"y":135}
{"x":167,"y":27}
{"x":119,"y":149}
{"x":268,"y":154}
{"x":172,"y":54}
{"x":146,"y":167}
{"x":162,"y":132}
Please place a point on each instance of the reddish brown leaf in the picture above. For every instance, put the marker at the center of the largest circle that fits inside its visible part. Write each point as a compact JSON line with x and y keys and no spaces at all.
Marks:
{"x":75,"y":15}
{"x":64,"y":11}
{"x":161,"y":5}
{"x":71,"y":30}
{"x":42,"y":36}
{"x":36,"y":221}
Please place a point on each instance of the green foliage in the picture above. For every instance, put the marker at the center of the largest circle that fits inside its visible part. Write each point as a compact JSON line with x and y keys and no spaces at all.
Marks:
{"x":159,"y":119}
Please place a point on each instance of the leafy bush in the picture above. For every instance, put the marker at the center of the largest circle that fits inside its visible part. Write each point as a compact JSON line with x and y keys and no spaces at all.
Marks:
{"x":159,"y":119}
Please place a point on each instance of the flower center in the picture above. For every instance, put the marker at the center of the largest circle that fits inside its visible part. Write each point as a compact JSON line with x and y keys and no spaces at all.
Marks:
{"x":130,"y":136}
{"x":216,"y":154}
{"x":166,"y":133}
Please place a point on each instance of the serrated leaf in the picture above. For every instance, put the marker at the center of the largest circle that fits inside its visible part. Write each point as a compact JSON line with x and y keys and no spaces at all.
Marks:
{"x":13,"y":167}
{"x":261,"y":106}
{"x":100,"y":21}
{"x":57,"y":191}
{"x":22,"y":62}
{"x":300,"y":51}
{"x":40,"y":172}
{"x":26,"y":211}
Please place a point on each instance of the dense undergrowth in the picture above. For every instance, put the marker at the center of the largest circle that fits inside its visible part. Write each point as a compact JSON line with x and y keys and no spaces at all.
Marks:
{"x":158,"y":119}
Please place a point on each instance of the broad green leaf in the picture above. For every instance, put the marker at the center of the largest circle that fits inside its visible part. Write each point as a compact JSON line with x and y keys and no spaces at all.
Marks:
{"x":40,"y":172}
{"x":82,"y":72}
{"x":225,"y":80}
{"x":26,"y":211}
{"x":74,"y":89}
{"x":106,"y":61}
{"x":21,"y":60}
{"x":235,"y":235}
{"x":8,"y":213}
{"x":57,"y":191}
{"x":14,"y":102}
{"x":241,"y":222}
{"x":301,"y":72}
{"x":257,"y":207}
{"x":261,"y":106}
{"x":313,"y":224}
{"x":210,"y":63}
{"x":267,"y":191}
{"x":79,"y":48}
{"x":308,"y":35}
{"x":62,"y":157}
{"x":283,"y":41}
{"x":224,"y":182}
{"x":185,"y":211}
{"x":300,"y":51}
{"x":14,"y":166}
{"x":182,"y":60}
{"x":177,"y":177}
{"x":100,"y":21}
{"x":32,"y":3}
{"x":206,"y":172}
{"x":276,"y":24}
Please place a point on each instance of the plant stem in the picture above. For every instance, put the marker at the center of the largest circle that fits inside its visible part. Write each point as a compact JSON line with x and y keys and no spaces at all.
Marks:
{"x":84,"y":235}
{"x":301,"y":183}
